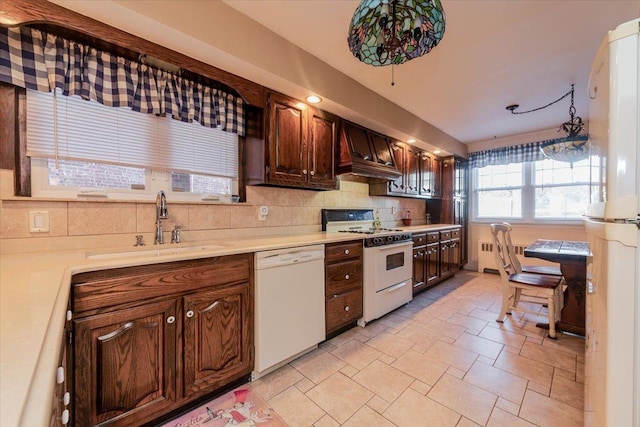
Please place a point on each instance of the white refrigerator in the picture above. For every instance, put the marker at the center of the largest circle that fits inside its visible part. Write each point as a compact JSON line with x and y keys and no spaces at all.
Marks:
{"x":612,"y":356}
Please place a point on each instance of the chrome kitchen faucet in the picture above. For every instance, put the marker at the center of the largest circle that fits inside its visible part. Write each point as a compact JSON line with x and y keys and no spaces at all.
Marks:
{"x":161,"y":213}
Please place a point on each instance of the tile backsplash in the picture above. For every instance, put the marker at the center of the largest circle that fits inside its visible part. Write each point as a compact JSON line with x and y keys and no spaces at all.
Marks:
{"x":96,"y":224}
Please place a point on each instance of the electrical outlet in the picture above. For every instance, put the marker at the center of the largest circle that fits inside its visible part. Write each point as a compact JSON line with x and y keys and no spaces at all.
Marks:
{"x":39,"y":221}
{"x":263,"y":211}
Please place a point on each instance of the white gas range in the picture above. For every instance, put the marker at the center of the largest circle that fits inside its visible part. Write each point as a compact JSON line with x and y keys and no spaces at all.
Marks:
{"x":387,"y":260}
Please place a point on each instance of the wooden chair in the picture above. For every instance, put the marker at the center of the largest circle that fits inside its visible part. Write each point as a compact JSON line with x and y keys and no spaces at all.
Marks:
{"x":537,"y":269}
{"x":538,"y":288}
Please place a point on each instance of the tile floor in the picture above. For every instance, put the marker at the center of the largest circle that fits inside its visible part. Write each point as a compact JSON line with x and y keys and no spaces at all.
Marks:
{"x":441,"y":360}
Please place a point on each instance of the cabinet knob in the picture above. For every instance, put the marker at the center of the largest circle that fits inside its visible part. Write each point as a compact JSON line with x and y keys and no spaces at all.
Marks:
{"x":64,"y":418}
{"x":347,"y":308}
{"x":304,"y":171}
{"x":60,"y":375}
{"x":346,"y":277}
{"x":171,"y":319}
{"x":66,"y":399}
{"x":312,"y":173}
{"x":347,"y":252}
{"x":190,"y":313}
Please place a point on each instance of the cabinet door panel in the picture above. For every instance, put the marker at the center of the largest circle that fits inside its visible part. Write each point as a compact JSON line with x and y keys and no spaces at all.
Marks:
{"x":412,"y":162}
{"x":398,"y":184}
{"x":359,"y":140}
{"x":323,"y":135}
{"x":419,"y":268}
{"x":432,"y":263}
{"x":125,"y":363}
{"x":426,"y":175}
{"x":216,"y":337}
{"x":286,"y":140}
{"x":382,"y":149}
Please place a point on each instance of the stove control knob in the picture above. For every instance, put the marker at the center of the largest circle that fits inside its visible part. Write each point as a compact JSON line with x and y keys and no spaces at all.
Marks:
{"x":389,"y":239}
{"x":377,"y":241}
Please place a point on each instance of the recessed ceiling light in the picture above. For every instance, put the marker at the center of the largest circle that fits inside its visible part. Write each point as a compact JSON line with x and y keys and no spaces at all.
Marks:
{"x":411,"y":141}
{"x":313,"y":99}
{"x":437,"y":151}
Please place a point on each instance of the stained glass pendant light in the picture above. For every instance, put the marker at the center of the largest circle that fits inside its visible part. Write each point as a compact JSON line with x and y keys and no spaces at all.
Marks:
{"x":392,"y":32}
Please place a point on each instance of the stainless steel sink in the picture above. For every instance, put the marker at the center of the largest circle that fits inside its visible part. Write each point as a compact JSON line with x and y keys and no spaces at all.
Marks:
{"x":153,"y":252}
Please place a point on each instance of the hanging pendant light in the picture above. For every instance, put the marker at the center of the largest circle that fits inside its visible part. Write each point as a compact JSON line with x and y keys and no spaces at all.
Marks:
{"x":574,"y":147}
{"x":392,"y":32}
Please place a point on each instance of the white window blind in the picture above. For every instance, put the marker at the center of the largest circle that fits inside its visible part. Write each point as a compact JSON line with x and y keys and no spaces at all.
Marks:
{"x":90,"y":131}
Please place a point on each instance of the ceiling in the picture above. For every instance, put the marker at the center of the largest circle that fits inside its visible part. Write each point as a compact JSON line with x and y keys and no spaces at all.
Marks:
{"x":493,"y":54}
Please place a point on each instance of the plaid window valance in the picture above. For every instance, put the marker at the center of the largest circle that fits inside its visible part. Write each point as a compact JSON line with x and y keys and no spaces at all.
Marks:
{"x":529,"y":152}
{"x":37,"y":60}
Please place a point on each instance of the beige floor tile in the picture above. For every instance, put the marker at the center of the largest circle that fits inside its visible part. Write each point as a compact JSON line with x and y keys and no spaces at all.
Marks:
{"x":568,"y":391}
{"x":507,"y":405}
{"x":367,"y":417}
{"x":455,"y":372}
{"x":467,"y":322}
{"x":356,"y":354}
{"x":464,"y":398}
{"x":557,"y":372}
{"x":580,"y":372}
{"x":276,"y":382}
{"x":442,"y":327}
{"x":420,"y":387}
{"x":566,"y":342}
{"x":497,"y":381}
{"x":419,"y":335}
{"x":550,"y":356}
{"x":419,"y":349}
{"x":392,"y":320}
{"x":545,"y":411}
{"x":486,"y":360}
{"x":326,"y":421}
{"x":539,"y":388}
{"x":472,"y":331}
{"x":385,"y":358}
{"x":525,"y":368}
{"x":453,"y":356}
{"x":393,"y":345}
{"x":318,"y":365}
{"x":411,"y":409}
{"x":384,"y":380}
{"x":479,"y":345}
{"x":503,"y":336}
{"x":378,"y":404}
{"x":304,"y":385}
{"x":482,"y":314}
{"x":345,"y":337}
{"x":339,"y":396}
{"x":349,"y":371}
{"x":421,"y":367}
{"x":500,"y":418}
{"x":373,"y":329}
{"x":295,"y":408}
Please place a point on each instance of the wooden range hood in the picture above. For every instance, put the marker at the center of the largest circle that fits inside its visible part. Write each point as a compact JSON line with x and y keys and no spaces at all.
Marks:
{"x":366,"y":153}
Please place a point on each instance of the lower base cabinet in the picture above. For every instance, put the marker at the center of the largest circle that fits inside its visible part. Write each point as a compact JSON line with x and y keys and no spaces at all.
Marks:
{"x":436,"y":257}
{"x":150,"y":339}
{"x":343,"y":285}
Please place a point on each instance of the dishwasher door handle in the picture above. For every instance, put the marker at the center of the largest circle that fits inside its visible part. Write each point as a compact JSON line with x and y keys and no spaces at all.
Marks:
{"x":396,"y":287}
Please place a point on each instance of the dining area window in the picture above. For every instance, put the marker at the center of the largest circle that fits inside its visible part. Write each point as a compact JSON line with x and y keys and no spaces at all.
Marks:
{"x":520,"y":184}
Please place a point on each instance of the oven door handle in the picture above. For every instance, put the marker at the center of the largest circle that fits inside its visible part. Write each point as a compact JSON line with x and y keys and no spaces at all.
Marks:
{"x":396,"y":287}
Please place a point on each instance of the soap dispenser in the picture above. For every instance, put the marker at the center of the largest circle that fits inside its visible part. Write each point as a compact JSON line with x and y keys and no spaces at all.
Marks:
{"x":376,"y":223}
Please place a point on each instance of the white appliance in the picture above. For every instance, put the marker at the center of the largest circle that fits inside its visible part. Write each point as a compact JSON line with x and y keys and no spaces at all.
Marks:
{"x":289,"y":305}
{"x":387,"y":260}
{"x":612,"y":358}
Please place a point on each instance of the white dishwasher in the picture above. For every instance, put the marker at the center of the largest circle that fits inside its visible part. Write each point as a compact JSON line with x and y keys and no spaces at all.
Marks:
{"x":289,"y":305}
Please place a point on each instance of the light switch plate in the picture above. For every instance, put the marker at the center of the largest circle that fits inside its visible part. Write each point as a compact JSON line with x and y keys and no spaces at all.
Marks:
{"x":39,"y":221}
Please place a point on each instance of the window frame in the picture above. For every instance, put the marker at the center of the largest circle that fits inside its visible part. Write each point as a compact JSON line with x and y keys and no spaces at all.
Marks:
{"x":528,"y":200}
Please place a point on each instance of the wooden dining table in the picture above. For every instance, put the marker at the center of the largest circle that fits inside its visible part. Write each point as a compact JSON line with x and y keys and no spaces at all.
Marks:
{"x":572,"y":257}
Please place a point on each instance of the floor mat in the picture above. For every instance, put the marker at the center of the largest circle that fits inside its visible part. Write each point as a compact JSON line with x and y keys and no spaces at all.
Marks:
{"x":240,"y":407}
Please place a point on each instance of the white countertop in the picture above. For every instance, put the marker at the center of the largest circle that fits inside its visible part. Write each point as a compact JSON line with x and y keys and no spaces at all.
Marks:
{"x":34,"y":293}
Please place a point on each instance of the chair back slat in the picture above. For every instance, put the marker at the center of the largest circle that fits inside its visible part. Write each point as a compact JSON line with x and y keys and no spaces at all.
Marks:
{"x":502,"y":249}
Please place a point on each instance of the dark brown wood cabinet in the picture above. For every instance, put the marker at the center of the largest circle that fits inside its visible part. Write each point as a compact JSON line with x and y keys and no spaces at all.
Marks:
{"x":455,"y":208}
{"x":421,"y":176}
{"x":343,"y":284}
{"x":150,"y":339}
{"x":60,"y":404}
{"x":367,"y":153}
{"x":299,"y":150}
{"x":435,"y":257}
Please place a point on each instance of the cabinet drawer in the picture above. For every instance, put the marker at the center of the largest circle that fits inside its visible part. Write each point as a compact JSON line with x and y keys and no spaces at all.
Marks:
{"x":109,"y":288}
{"x":419,"y":239}
{"x":433,"y":237}
{"x":445,"y":235}
{"x":455,"y":234}
{"x":343,"y":309}
{"x":343,"y":251}
{"x":343,"y":276}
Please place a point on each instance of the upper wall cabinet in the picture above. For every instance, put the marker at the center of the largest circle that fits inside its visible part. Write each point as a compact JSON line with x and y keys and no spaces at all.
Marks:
{"x":366,"y":153}
{"x":420,"y":174}
{"x":299,"y":148}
